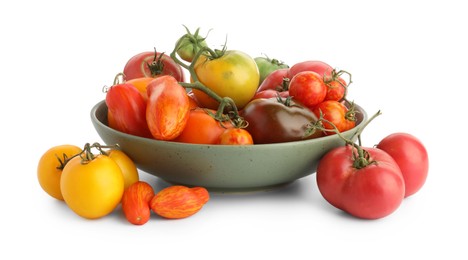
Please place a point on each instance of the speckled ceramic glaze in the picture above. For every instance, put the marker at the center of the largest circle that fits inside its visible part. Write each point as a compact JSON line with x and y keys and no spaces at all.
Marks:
{"x":223,"y":168}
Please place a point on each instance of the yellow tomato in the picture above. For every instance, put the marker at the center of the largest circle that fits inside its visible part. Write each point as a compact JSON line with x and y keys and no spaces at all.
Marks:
{"x":49,"y":169}
{"x":141,"y":84}
{"x":128,"y":168}
{"x":92,"y":189}
{"x":234,"y":74}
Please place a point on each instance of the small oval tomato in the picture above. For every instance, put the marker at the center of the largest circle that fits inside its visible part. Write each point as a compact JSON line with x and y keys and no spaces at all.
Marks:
{"x":202,"y":128}
{"x":320,"y":67}
{"x":277,"y":80}
{"x":276,"y":121}
{"x":127,"y":166}
{"x":266,"y":66}
{"x":337,"y":114}
{"x":308,"y":88}
{"x":50,"y":166}
{"x":412,"y":158}
{"x":235,"y":136}
{"x":167,"y":109}
{"x":152,"y":64}
{"x":127,"y":110}
{"x":234,"y":75}
{"x":372,"y":191}
{"x":92,"y":189}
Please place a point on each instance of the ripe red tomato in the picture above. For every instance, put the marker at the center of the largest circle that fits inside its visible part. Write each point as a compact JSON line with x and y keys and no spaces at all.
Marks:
{"x":167,"y":110}
{"x":202,"y":128}
{"x":270,"y":93}
{"x":277,"y":80}
{"x":235,"y":136}
{"x":336,"y":113}
{"x":336,"y":88}
{"x":127,"y":110}
{"x":320,"y":67}
{"x":371,"y":192}
{"x":308,"y":88}
{"x":412,"y":158}
{"x":273,"y":121}
{"x":152,"y":64}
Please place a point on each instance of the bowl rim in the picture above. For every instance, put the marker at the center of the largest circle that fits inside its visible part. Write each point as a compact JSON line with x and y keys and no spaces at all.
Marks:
{"x":102,"y":103}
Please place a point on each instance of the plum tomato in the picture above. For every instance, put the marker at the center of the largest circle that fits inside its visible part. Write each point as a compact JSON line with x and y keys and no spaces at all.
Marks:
{"x":335,"y":113}
{"x":266,"y":66}
{"x":308,"y":88}
{"x":167,"y":109}
{"x":412,"y":158}
{"x":277,"y":120}
{"x":127,"y":110}
{"x":233,"y":74}
{"x":320,"y":67}
{"x":235,"y":136}
{"x":152,"y":64}
{"x":369,"y":190}
{"x":277,"y":80}
{"x":202,"y":127}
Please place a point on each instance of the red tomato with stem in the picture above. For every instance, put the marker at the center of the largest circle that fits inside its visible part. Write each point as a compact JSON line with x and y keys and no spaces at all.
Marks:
{"x":412,"y":158}
{"x":320,"y":67}
{"x":368,"y":187}
{"x":270,"y":93}
{"x":127,"y":110}
{"x":337,"y":114}
{"x":152,"y":64}
{"x":167,"y":109}
{"x":277,"y":80}
{"x":308,"y":88}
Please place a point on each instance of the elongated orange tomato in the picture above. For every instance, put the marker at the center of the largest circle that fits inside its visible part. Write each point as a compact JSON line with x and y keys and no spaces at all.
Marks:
{"x":167,"y":109}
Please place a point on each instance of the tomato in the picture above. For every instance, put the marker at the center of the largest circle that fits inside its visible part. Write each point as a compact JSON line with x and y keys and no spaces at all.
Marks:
{"x":127,"y":110}
{"x":94,"y":188}
{"x":412,"y":158}
{"x":126,"y":165}
{"x":277,"y":80}
{"x":369,"y":191}
{"x":308,"y":88}
{"x":336,"y":87}
{"x":167,"y":109}
{"x":202,"y":128}
{"x":274,"y":121}
{"x":50,"y":166}
{"x":234,"y":74}
{"x":266,"y":66}
{"x":152,"y":64}
{"x":336,"y":113}
{"x":320,"y":67}
{"x":189,"y":44}
{"x":141,"y":84}
{"x":270,"y":93}
{"x":235,"y":136}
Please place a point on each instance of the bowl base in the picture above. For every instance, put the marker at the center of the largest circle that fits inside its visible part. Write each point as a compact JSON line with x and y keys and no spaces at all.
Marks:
{"x":242,"y":191}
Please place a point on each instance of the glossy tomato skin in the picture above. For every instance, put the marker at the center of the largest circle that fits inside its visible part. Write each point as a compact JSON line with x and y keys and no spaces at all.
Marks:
{"x":372,"y":192}
{"x":412,"y":158}
{"x":308,"y":88}
{"x":167,"y":109}
{"x":320,"y":67}
{"x":335,"y":112}
{"x":277,"y":80}
{"x":233,"y":75}
{"x":270,"y":93}
{"x":127,"y":110}
{"x":137,"y":66}
{"x":202,"y":128}
{"x":336,"y":89}
{"x":270,"y":121}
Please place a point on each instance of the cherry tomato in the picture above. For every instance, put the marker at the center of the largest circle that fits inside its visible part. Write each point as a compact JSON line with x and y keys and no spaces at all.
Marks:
{"x":234,"y":75}
{"x":308,"y":88}
{"x":320,"y":67}
{"x":189,"y":44}
{"x":152,"y":64}
{"x":50,"y":166}
{"x":235,"y":136}
{"x":266,"y":66}
{"x":336,"y":113}
{"x":127,"y":110}
{"x":202,"y":128}
{"x":277,"y":80}
{"x":275,"y":121}
{"x":412,"y":158}
{"x":94,"y":188}
{"x":371,"y":191}
{"x":167,"y":109}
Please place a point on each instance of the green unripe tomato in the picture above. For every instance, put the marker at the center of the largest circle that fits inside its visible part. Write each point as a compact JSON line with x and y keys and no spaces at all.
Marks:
{"x":189,"y":45}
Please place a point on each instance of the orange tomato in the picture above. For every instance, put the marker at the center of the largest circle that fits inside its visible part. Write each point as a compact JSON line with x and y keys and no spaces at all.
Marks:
{"x":141,"y":84}
{"x":235,"y":136}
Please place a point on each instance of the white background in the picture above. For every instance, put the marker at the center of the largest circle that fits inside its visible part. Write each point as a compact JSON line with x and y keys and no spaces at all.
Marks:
{"x":408,"y":59}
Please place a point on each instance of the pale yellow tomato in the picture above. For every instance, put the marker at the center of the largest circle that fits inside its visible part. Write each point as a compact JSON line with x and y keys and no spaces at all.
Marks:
{"x":49,"y":168}
{"x":92,"y":189}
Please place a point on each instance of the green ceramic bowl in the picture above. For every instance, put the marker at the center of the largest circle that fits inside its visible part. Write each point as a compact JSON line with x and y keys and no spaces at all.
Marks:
{"x":223,"y":168}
